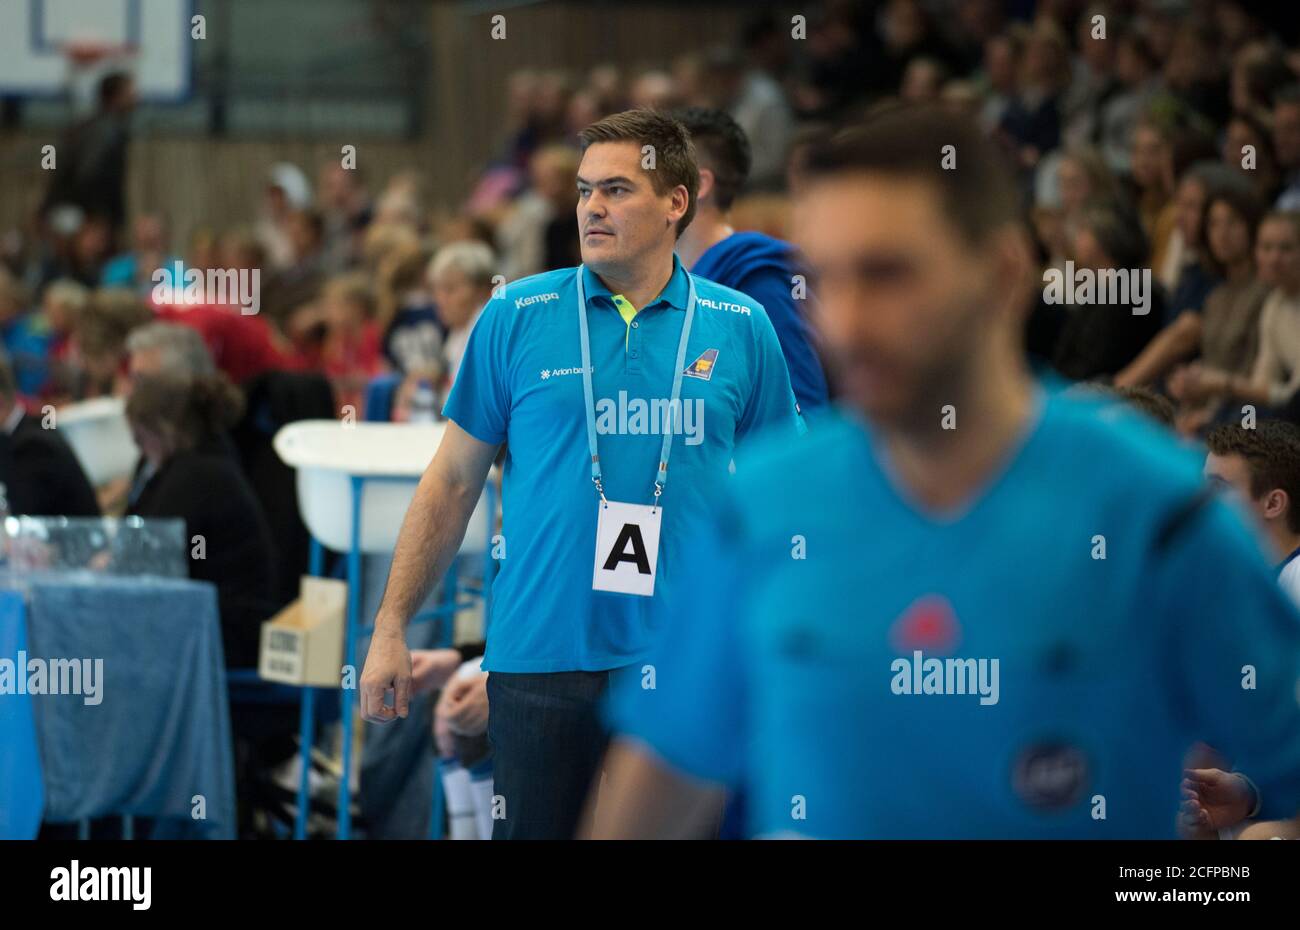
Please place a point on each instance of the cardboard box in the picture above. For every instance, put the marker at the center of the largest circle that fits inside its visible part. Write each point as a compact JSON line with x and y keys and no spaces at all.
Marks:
{"x":303,"y":644}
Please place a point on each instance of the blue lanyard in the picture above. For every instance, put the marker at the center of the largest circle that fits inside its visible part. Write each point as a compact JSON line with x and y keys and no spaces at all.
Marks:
{"x":674,"y":403}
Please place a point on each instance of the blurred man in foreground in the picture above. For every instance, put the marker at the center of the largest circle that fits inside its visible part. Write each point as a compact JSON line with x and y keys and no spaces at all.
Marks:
{"x":962,"y":606}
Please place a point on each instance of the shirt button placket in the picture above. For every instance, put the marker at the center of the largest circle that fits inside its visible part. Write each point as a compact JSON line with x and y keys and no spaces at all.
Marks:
{"x":634,"y":348}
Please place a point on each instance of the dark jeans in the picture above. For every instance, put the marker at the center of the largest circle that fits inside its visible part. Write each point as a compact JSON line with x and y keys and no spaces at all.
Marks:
{"x":547,"y":745}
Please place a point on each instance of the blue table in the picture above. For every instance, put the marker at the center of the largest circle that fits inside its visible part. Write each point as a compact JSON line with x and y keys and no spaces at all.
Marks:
{"x":155,"y":740}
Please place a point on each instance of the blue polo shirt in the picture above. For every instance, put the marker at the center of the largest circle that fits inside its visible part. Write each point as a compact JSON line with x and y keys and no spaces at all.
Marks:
{"x":796,"y":675}
{"x":521,"y":383}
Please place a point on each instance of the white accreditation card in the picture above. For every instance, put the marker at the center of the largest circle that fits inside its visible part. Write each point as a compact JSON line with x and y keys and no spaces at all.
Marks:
{"x":627,"y":548}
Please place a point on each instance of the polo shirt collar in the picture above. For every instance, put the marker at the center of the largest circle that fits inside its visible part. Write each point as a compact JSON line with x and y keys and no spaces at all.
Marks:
{"x":675,"y":293}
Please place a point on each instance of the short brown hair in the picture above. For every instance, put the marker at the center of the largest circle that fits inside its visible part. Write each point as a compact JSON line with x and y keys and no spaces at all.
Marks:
{"x":675,"y":161}
{"x":1272,"y":454}
{"x":184,"y":410}
{"x":109,"y":316}
{"x":1156,"y":406}
{"x":897,"y":140}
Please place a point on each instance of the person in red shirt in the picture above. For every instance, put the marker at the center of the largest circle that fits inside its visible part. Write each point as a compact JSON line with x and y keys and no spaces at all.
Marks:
{"x":351,"y":354}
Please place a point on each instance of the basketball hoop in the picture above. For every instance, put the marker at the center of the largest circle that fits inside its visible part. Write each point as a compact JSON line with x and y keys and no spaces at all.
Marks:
{"x":86,"y":53}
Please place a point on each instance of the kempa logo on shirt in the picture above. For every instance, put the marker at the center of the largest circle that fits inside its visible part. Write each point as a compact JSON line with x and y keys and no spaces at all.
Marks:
{"x":919,"y":675}
{"x":104,"y":883}
{"x":535,"y":299}
{"x":53,"y":676}
{"x":722,"y":305}
{"x":657,"y":416}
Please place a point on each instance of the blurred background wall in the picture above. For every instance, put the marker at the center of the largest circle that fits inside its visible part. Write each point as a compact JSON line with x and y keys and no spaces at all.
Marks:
{"x":411,"y":83}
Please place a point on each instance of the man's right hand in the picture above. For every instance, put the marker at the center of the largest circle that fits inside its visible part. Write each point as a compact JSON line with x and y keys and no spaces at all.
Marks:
{"x":388,"y":668}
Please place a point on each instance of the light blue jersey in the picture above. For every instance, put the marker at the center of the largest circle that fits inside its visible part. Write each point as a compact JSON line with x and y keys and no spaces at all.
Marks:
{"x":1035,"y":666}
{"x":521,"y":383}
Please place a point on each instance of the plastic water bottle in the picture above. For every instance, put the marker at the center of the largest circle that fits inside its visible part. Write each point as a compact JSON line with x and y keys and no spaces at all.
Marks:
{"x":424,"y":404}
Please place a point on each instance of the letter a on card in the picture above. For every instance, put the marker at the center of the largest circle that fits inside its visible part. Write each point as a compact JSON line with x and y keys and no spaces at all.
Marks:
{"x":627,"y":548}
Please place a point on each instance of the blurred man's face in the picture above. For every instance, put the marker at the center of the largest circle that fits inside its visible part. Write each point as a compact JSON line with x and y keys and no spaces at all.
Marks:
{"x":999,"y":62}
{"x":457,"y":297}
{"x":1189,"y":205}
{"x":1227,"y":233}
{"x":144,"y":362}
{"x":1286,"y":134}
{"x":1087,"y":251}
{"x":903,"y":301}
{"x":1148,"y":157}
{"x":151,"y":444}
{"x":335,"y":186}
{"x":1277,"y":253}
{"x":621,"y":220}
{"x":1072,"y":181}
{"x":149,"y":234}
{"x":1233,"y":473}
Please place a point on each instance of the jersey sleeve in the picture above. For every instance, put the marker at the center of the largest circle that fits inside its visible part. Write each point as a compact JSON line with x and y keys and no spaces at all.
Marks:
{"x":693,"y":717}
{"x":479,"y":401}
{"x":1235,"y":651}
{"x":773,"y":290}
{"x":771,"y":403}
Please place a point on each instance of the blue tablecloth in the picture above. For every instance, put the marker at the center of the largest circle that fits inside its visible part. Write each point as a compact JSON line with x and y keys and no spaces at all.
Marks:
{"x":22,"y":797}
{"x":158,"y":743}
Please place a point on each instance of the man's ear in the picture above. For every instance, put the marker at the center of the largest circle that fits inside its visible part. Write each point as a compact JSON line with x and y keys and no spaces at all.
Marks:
{"x":681,"y":201}
{"x":706,"y":185}
{"x":1014,"y":268}
{"x":1276,"y":503}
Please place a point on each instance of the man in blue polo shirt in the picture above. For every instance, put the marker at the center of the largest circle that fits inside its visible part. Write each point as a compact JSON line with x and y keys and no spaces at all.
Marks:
{"x":962,"y":606}
{"x":620,"y":389}
{"x":750,"y":262}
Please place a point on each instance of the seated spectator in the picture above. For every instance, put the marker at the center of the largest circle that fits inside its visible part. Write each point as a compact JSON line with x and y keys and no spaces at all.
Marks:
{"x":1137,"y":66}
{"x":347,"y":210}
{"x":21,"y":337}
{"x":1286,"y":145}
{"x":290,"y":288}
{"x":1099,"y":339}
{"x":170,"y":419}
{"x":39,"y":473}
{"x":1177,"y":252}
{"x":998,"y":77}
{"x":1225,"y":330}
{"x":1248,"y":150}
{"x":149,"y":254}
{"x":540,"y":231}
{"x":460,"y":734}
{"x":287,"y":193}
{"x":350,"y":355}
{"x":99,"y":341}
{"x":1261,"y":466}
{"x":176,"y":352}
{"x":1031,"y":124}
{"x":168,"y":349}
{"x":1151,"y":168}
{"x":1274,"y":377}
{"x":412,"y":333}
{"x":461,"y":275}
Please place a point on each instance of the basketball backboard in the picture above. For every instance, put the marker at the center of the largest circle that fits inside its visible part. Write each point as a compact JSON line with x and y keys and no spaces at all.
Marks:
{"x":43,"y":41}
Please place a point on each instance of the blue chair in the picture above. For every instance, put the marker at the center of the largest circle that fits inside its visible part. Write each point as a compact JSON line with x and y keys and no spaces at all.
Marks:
{"x":381,"y":391}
